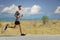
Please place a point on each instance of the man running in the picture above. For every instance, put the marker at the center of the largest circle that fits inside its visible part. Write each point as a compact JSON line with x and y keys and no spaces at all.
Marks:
{"x":17,"y":21}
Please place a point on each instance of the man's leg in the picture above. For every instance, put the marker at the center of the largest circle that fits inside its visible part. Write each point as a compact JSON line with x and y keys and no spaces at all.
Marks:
{"x":21,"y":30}
{"x":6,"y":27}
{"x":12,"y":26}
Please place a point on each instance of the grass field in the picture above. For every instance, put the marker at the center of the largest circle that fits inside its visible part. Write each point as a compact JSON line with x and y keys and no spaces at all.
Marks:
{"x":32,"y":27}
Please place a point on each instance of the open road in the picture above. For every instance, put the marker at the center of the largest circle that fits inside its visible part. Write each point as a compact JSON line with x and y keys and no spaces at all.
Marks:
{"x":30,"y":37}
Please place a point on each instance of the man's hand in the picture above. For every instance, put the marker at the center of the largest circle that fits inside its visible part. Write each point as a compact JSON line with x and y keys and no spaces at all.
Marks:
{"x":22,"y":15}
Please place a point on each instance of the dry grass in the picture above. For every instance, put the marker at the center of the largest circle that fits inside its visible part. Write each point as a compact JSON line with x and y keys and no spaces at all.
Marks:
{"x":32,"y":27}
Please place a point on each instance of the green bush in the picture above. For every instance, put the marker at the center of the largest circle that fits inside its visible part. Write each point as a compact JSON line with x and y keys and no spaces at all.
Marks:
{"x":45,"y":19}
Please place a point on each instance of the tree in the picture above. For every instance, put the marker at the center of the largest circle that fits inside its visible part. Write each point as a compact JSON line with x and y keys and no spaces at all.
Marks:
{"x":45,"y":19}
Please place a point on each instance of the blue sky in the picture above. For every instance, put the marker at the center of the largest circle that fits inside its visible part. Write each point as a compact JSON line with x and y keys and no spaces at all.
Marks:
{"x":47,"y":6}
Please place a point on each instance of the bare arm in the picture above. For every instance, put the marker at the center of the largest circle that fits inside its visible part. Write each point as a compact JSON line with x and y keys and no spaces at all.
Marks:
{"x":22,"y":15}
{"x":15,"y":15}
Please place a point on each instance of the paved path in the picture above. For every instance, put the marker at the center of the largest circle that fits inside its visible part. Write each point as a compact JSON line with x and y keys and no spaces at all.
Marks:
{"x":31,"y":37}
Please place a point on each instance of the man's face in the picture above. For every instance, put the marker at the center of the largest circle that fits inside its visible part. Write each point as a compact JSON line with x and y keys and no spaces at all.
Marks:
{"x":19,"y":7}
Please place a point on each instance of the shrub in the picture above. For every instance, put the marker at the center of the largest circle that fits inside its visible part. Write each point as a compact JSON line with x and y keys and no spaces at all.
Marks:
{"x":45,"y":19}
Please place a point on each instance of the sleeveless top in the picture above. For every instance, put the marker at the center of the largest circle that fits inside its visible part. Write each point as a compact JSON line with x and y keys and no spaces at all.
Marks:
{"x":18,"y":19}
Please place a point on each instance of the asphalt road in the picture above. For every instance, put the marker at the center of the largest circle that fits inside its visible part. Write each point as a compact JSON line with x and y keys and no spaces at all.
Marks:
{"x":30,"y":37}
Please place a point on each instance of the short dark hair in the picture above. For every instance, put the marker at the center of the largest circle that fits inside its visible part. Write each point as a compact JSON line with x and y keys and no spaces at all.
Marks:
{"x":19,"y":6}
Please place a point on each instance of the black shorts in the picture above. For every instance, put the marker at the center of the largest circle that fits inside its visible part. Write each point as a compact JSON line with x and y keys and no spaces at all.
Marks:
{"x":17,"y":22}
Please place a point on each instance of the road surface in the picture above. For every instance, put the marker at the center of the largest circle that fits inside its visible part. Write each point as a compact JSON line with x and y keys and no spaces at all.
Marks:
{"x":30,"y":37}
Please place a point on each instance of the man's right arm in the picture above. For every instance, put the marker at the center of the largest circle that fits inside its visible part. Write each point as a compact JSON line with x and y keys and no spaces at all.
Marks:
{"x":22,"y":15}
{"x":15,"y":15}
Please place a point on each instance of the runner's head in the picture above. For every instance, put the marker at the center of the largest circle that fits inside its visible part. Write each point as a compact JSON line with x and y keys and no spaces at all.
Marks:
{"x":19,"y":7}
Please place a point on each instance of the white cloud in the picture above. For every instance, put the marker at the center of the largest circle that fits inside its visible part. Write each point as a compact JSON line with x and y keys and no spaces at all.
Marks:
{"x":25,"y":10}
{"x":57,"y":10}
{"x":10,"y":9}
{"x":35,"y":9}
